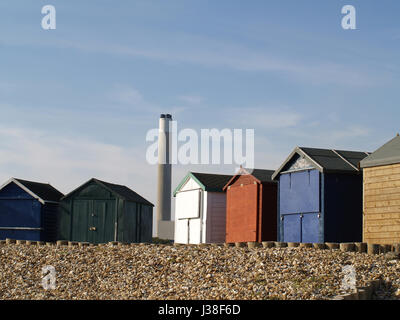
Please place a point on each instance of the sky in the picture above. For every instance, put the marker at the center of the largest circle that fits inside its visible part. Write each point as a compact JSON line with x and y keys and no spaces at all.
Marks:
{"x":76,"y":102}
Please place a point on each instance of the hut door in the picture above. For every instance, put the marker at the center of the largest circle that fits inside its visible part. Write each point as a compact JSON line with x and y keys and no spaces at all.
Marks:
{"x":291,"y":228}
{"x":80,"y":220}
{"x":310,"y":227}
{"x":242,"y":213}
{"x":101,"y":221}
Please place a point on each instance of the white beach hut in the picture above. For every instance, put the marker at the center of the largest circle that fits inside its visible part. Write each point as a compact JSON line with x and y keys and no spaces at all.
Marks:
{"x":200,"y":208}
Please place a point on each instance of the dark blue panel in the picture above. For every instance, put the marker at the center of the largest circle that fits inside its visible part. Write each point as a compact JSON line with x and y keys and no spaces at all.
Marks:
{"x":14,"y":192}
{"x":291,"y":228}
{"x":310,"y":228}
{"x":299,"y":192}
{"x":20,"y":213}
{"x":50,"y":221}
{"x":32,"y":235}
{"x":19,"y":209}
{"x":343,"y":207}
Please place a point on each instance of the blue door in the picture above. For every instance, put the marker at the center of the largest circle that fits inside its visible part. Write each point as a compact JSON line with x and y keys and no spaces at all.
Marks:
{"x":291,"y":228}
{"x":301,"y":228}
{"x":310,"y":228}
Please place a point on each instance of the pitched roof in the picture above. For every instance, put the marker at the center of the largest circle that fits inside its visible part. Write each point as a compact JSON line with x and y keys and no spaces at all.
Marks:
{"x":262,"y":175}
{"x":389,"y":153}
{"x":120,"y":190}
{"x":125,"y":192}
{"x":44,"y":192}
{"x":326,"y":160}
{"x":207,"y":181}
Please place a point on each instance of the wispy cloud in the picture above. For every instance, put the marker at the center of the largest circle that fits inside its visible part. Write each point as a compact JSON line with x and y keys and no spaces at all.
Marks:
{"x":126,"y":95}
{"x":264,"y":117}
{"x":191,"y":99}
{"x":68,"y":162}
{"x":209,"y":52}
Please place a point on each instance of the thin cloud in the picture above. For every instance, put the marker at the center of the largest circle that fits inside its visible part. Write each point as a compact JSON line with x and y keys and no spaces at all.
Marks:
{"x":265,"y":118}
{"x":191,"y":99}
{"x":68,"y":162}
{"x":211,"y":53}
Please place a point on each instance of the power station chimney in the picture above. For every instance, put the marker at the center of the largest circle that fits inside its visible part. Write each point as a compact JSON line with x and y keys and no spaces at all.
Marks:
{"x":164,"y":225}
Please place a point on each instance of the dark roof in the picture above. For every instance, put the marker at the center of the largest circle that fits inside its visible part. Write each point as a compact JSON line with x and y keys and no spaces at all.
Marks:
{"x":335,"y":160}
{"x":124,"y":192}
{"x":44,"y":191}
{"x":212,"y":182}
{"x":388,"y":154}
{"x":327,"y":160}
{"x":120,"y":190}
{"x":263,"y":175}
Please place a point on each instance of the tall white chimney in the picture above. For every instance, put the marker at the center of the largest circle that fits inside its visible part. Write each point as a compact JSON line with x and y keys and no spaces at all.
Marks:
{"x":164,"y":225}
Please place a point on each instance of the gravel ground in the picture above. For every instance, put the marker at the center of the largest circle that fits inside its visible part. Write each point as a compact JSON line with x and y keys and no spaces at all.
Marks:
{"x":187,"y":272}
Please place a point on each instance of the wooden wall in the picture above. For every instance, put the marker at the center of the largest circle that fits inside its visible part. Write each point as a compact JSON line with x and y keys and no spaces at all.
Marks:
{"x":381,"y":206}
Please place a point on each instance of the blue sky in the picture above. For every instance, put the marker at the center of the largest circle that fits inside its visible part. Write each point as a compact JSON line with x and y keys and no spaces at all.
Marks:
{"x":76,"y":102}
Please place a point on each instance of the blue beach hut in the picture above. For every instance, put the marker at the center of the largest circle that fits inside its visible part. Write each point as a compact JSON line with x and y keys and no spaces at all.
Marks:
{"x":320,"y":196}
{"x":28,"y":210}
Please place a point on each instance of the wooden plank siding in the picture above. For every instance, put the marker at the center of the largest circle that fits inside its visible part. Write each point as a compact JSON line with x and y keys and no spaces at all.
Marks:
{"x":381,"y":205}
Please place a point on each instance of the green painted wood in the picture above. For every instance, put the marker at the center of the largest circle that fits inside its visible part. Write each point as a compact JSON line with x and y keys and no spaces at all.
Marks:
{"x":90,"y":215}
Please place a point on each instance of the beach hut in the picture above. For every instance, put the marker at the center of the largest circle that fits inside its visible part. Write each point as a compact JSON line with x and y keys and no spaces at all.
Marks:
{"x":251,"y":209}
{"x":200,"y":208}
{"x":28,"y":210}
{"x":381,"y":205}
{"x":320,"y":196}
{"x":99,"y":212}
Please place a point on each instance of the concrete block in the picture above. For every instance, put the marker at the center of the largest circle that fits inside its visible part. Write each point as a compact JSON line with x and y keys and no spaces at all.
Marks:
{"x":319,"y":246}
{"x":252,"y":245}
{"x":384,"y":248}
{"x":281,"y":244}
{"x":72,"y":243}
{"x":83,"y":244}
{"x":40,"y":243}
{"x":396,"y":248}
{"x":10,"y":241}
{"x":373,"y":248}
{"x":361,"y":247}
{"x":347,"y":247}
{"x":60,"y":243}
{"x":20,"y":242}
{"x":293,"y":244}
{"x":227,"y":245}
{"x":268,"y":244}
{"x":240,"y":244}
{"x":306,"y":245}
{"x":332,"y":245}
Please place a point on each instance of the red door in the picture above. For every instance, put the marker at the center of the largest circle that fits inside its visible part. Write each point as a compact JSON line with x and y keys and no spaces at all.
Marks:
{"x":241,"y":215}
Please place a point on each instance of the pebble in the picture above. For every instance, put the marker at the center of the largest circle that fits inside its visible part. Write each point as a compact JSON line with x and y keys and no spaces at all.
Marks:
{"x":189,"y":272}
